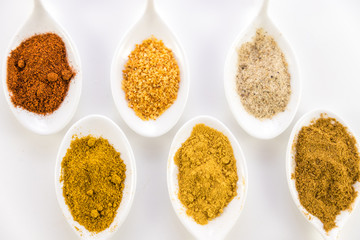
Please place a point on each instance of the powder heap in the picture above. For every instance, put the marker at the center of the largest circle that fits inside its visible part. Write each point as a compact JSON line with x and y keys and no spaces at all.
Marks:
{"x":151,"y":79}
{"x":93,"y":175}
{"x":263,"y":80}
{"x":38,"y":74}
{"x":327,"y":166}
{"x":207,"y":173}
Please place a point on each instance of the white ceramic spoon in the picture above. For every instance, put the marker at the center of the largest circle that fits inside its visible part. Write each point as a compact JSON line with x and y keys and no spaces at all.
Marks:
{"x":97,"y":125}
{"x":220,"y":226}
{"x":290,"y":169}
{"x":267,"y":128}
{"x":41,"y":22}
{"x":149,"y":24}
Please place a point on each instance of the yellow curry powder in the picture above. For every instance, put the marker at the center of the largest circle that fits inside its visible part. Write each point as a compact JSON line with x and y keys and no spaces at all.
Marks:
{"x":151,"y":79}
{"x":207,"y":173}
{"x":327,"y":166}
{"x":93,"y":175}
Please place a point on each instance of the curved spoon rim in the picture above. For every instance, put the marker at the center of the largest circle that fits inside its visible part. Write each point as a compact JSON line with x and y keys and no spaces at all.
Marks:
{"x":182,"y":96}
{"x":76,"y":65}
{"x":259,"y":22}
{"x":241,"y":170}
{"x":306,"y":120}
{"x":121,"y":214}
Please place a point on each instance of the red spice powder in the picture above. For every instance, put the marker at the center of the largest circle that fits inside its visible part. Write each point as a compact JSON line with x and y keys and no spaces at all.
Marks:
{"x":38,"y":74}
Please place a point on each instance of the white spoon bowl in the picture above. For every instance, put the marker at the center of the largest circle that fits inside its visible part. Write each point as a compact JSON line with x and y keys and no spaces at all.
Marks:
{"x":221,"y":225}
{"x":41,"y":22}
{"x":261,"y":128}
{"x":99,"y":126}
{"x":149,"y":24}
{"x":290,"y":170}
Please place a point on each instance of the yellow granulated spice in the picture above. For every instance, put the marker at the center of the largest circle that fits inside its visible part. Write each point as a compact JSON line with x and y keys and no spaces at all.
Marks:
{"x":151,"y":79}
{"x":93,"y":175}
{"x":207,"y":173}
{"x":327,"y":167}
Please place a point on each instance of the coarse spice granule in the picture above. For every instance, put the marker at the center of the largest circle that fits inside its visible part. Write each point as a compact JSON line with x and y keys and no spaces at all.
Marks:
{"x":263,"y":80}
{"x":93,"y":175}
{"x":151,"y":79}
{"x":207,"y":173}
{"x":327,"y":165}
{"x":38,"y":73}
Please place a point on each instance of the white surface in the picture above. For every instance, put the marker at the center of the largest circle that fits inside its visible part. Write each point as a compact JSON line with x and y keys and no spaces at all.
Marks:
{"x":325,"y":35}
{"x":41,"y":22}
{"x":219,"y":227}
{"x":149,"y":24}
{"x":99,"y":126}
{"x":261,"y":128}
{"x":342,"y":218}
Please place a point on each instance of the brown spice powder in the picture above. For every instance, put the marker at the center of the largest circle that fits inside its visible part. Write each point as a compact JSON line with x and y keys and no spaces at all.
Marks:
{"x":263,"y":80}
{"x":327,"y":166}
{"x":207,"y":173}
{"x":38,"y":73}
{"x":151,"y":79}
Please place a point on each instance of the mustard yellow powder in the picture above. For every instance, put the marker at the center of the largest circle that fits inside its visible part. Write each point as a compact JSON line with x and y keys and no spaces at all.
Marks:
{"x":93,"y":175}
{"x":207,"y":173}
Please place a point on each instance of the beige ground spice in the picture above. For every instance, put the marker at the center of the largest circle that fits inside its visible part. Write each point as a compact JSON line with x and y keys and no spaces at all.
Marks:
{"x":207,"y":173}
{"x":151,"y":79}
{"x":263,"y":80}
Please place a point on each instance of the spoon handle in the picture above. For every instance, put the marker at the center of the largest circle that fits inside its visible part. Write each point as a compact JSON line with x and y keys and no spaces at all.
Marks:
{"x":150,"y":6}
{"x":37,"y":3}
{"x":38,"y":6}
{"x":264,"y":7}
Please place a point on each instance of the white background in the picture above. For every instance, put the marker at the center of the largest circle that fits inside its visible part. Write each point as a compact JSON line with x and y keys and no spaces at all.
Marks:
{"x":325,"y":36}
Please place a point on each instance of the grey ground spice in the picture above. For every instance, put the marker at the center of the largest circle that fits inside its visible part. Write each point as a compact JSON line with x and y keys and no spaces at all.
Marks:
{"x":263,"y":80}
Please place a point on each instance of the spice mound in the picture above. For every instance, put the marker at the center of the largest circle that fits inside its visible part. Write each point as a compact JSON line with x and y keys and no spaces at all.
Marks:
{"x":327,"y":166}
{"x":93,"y":175}
{"x":207,"y":173}
{"x":38,"y":74}
{"x":263,"y":80}
{"x":151,"y":79}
